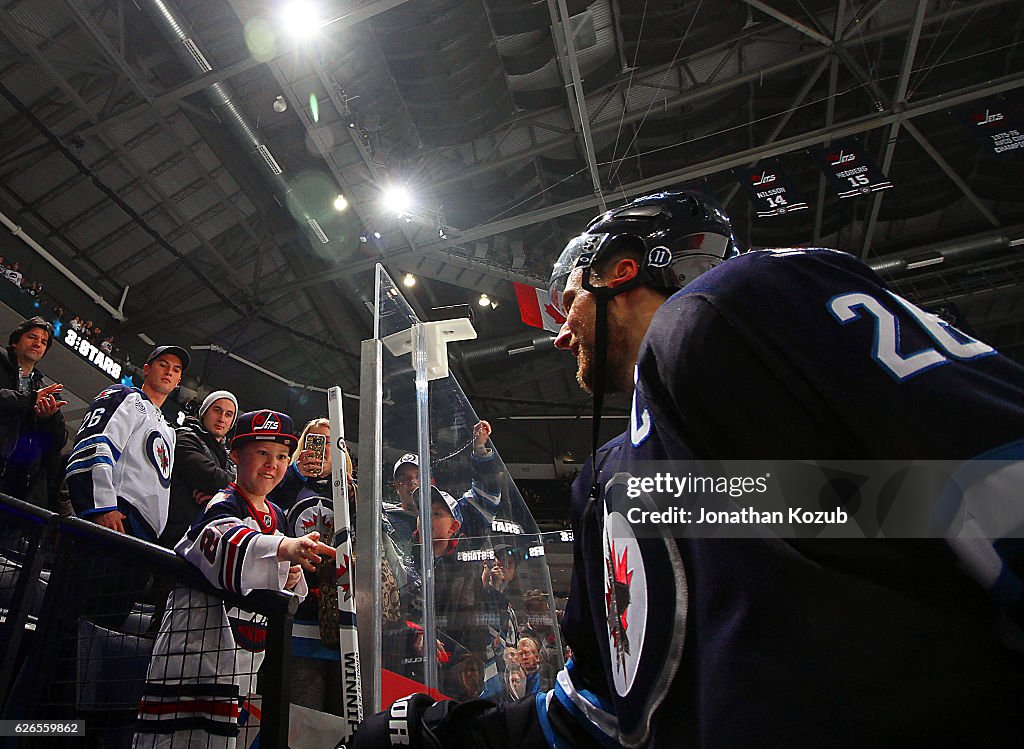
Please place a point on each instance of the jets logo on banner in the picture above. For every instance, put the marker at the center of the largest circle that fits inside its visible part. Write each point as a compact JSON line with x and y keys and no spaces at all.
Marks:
{"x":993,"y":124}
{"x":850,"y":170}
{"x":770,"y":190}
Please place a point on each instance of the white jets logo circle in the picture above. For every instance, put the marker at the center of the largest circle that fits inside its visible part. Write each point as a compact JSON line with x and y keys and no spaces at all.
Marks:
{"x":625,"y":600}
{"x":159,"y":454}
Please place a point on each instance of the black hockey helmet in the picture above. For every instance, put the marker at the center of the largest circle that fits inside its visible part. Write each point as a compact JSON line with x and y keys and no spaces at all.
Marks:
{"x":684,"y":233}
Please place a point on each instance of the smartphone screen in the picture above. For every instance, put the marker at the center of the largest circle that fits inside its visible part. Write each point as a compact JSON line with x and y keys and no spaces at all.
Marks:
{"x":317,"y":443}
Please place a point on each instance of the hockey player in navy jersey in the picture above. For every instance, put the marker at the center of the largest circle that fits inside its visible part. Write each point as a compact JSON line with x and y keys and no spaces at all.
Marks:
{"x":202,"y":677}
{"x":767,"y":641}
{"x":119,"y":472}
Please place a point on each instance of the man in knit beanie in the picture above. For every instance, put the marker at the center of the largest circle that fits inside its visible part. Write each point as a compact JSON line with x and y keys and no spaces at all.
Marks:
{"x":201,"y":465}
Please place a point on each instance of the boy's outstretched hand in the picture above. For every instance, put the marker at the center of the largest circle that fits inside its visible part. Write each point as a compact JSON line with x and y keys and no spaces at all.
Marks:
{"x":305,"y":550}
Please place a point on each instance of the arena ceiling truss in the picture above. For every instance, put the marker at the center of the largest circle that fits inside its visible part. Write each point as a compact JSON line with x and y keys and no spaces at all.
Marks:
{"x":192,"y":150}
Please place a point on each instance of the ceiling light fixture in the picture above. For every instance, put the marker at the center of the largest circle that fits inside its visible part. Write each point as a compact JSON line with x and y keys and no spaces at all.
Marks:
{"x":300,"y":18}
{"x":397,"y":200}
{"x":409,"y":280}
{"x":340,"y":204}
{"x":484,"y":301}
{"x":280,"y":105}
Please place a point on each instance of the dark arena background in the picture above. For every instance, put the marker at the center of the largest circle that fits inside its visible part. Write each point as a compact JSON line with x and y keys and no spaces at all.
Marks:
{"x":229,"y":175}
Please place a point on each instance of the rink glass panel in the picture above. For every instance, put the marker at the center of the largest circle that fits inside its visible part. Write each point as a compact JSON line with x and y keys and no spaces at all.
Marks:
{"x":490,"y":584}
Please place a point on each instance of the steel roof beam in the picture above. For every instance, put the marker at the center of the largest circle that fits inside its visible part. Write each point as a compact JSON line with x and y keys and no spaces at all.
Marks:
{"x":898,"y":102}
{"x":565,"y":49}
{"x":697,"y":92}
{"x":790,"y":21}
{"x":830,"y":118}
{"x":787,"y":145}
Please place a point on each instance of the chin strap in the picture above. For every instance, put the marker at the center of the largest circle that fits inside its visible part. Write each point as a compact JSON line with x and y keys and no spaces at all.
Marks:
{"x":600,"y":368}
{"x":602,"y":295}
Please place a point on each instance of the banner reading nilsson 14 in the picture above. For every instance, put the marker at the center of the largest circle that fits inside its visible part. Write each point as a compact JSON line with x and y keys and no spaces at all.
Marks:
{"x":770,"y":190}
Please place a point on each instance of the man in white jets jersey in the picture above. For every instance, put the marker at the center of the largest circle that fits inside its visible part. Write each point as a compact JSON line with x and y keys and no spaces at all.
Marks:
{"x":119,"y":473}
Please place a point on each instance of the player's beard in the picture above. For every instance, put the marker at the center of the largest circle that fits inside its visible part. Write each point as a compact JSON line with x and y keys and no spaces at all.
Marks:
{"x":617,"y":348}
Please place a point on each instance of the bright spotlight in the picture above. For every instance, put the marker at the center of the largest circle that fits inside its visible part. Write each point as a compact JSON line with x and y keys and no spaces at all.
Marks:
{"x":409,"y":280}
{"x":376,"y":235}
{"x":340,"y":203}
{"x":300,"y":18}
{"x":484,"y":301}
{"x":398,"y":200}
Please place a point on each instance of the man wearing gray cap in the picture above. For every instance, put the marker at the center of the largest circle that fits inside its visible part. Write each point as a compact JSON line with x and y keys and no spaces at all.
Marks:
{"x":201,"y":465}
{"x":119,"y":473}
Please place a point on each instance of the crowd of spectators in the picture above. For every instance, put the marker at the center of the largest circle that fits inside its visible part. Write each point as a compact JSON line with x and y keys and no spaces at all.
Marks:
{"x":94,"y":334}
{"x":131,"y":471}
{"x":55,"y":310}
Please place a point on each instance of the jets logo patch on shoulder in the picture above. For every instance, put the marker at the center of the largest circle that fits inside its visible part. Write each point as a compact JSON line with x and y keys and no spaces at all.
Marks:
{"x":645,"y":600}
{"x":312,"y":514}
{"x":159,"y":454}
{"x":625,"y":599}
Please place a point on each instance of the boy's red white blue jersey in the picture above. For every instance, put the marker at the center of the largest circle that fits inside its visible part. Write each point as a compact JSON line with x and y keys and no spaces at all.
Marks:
{"x":206,"y":656}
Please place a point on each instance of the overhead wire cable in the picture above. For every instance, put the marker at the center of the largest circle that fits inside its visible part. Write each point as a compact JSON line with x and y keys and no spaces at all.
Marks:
{"x":669,"y":69}
{"x":924,"y":76}
{"x":629,"y":83}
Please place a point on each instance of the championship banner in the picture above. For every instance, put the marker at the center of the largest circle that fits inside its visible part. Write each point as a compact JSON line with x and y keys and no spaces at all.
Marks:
{"x":995,"y":126}
{"x":536,"y":308}
{"x":770,"y":190}
{"x":851,"y":171}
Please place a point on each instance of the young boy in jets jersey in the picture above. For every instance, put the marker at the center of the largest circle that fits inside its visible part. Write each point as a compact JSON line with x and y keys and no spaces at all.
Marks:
{"x":202,"y":677}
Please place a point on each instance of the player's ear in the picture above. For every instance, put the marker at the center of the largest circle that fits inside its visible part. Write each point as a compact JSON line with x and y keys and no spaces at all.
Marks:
{"x":625,"y":269}
{"x":455,"y":526}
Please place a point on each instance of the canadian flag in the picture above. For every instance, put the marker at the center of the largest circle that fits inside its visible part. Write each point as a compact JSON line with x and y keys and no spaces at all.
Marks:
{"x":536,"y":309}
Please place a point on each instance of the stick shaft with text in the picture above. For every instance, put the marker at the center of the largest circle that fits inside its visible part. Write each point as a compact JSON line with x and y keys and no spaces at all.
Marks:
{"x":351,"y":685}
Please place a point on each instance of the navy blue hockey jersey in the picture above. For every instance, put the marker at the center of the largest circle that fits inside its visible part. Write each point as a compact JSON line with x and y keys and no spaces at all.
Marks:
{"x":794,"y":354}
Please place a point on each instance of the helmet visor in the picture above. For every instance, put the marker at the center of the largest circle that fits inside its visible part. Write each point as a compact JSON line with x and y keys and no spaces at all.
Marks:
{"x":579,"y":253}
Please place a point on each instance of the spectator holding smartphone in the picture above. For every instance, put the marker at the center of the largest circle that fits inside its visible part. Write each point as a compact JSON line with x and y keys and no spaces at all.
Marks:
{"x":309,"y":475}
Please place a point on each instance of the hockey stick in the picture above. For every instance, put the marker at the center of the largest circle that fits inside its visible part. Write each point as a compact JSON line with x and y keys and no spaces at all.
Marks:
{"x":351,"y":684}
